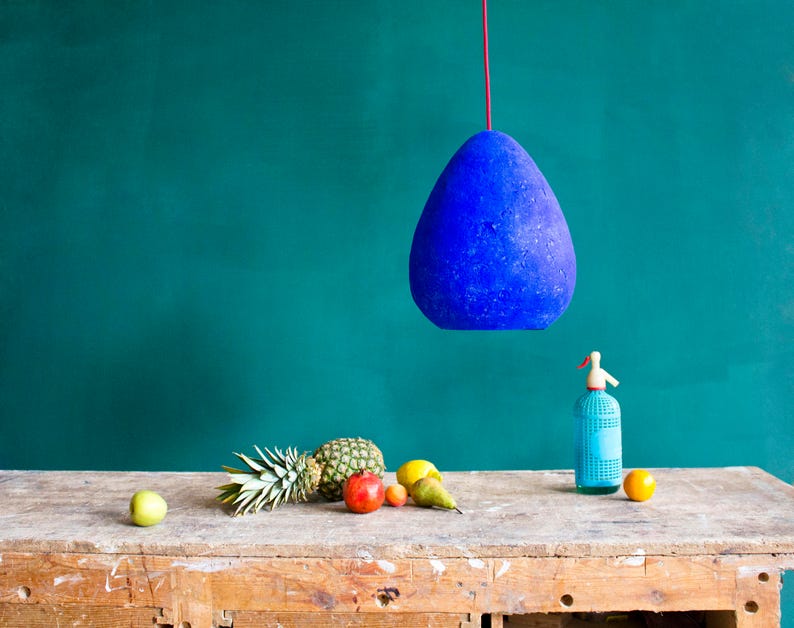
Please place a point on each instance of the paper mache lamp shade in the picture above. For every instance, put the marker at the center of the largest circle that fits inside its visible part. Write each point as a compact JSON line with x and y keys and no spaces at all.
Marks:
{"x":492,"y":248}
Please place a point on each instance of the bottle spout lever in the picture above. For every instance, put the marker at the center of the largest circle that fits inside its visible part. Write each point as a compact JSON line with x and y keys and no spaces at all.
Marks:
{"x":610,"y":379}
{"x":597,"y":378}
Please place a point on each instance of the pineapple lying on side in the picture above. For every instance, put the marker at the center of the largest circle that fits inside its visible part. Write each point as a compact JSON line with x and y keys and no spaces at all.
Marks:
{"x":276,"y":478}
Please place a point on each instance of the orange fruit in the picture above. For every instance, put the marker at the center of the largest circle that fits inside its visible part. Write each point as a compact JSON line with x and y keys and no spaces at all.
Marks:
{"x":396,"y":495}
{"x":639,"y":485}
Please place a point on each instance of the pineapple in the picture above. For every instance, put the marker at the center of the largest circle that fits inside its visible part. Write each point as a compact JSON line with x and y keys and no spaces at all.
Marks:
{"x":277,"y":477}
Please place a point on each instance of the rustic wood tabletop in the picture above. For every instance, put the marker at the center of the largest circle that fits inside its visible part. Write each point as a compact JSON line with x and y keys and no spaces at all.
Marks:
{"x":714,"y":511}
{"x":526,"y":548}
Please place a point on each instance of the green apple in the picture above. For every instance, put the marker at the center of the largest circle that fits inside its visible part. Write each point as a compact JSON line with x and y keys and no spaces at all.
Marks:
{"x":147,"y":508}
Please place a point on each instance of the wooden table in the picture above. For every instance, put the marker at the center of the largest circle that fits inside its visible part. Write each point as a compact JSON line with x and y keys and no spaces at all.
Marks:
{"x":528,"y":550}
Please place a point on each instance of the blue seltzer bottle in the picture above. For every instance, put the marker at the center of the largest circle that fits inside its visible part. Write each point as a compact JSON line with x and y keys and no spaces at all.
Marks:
{"x":598,"y":450}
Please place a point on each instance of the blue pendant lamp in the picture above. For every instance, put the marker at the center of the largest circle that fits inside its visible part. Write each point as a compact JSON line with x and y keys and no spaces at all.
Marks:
{"x":492,"y":249}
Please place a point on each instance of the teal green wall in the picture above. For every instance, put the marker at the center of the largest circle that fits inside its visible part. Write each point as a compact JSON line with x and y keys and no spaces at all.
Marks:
{"x":206,"y":211}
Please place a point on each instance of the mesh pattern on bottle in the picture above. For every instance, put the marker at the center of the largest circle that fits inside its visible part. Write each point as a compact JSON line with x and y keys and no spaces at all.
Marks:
{"x":597,"y":432}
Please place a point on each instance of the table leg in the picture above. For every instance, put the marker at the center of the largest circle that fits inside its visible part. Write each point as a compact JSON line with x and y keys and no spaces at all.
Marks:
{"x":758,"y":598}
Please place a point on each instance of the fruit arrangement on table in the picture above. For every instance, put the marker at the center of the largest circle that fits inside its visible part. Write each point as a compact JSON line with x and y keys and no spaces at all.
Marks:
{"x":348,"y":469}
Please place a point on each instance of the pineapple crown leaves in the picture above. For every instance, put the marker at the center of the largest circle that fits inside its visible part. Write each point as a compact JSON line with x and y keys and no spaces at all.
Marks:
{"x":270,"y":480}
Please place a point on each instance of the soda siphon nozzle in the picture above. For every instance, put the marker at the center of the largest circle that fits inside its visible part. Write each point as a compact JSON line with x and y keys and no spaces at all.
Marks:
{"x":597,"y":378}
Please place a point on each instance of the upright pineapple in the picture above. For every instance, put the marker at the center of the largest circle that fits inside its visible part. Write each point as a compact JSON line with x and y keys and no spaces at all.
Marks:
{"x":276,"y":478}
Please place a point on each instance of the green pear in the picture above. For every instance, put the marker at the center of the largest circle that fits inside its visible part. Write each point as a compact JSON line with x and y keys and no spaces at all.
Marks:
{"x":429,"y":492}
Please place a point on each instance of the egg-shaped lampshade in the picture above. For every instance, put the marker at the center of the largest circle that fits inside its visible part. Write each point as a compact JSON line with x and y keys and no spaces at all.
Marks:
{"x":492,"y":248}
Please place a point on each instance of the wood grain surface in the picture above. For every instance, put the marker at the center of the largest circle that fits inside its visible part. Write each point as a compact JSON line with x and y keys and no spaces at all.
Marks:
{"x":526,"y":546}
{"x":711,"y":511}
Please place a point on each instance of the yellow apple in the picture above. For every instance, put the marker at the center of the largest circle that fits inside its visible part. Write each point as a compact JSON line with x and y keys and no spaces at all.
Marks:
{"x":147,"y":508}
